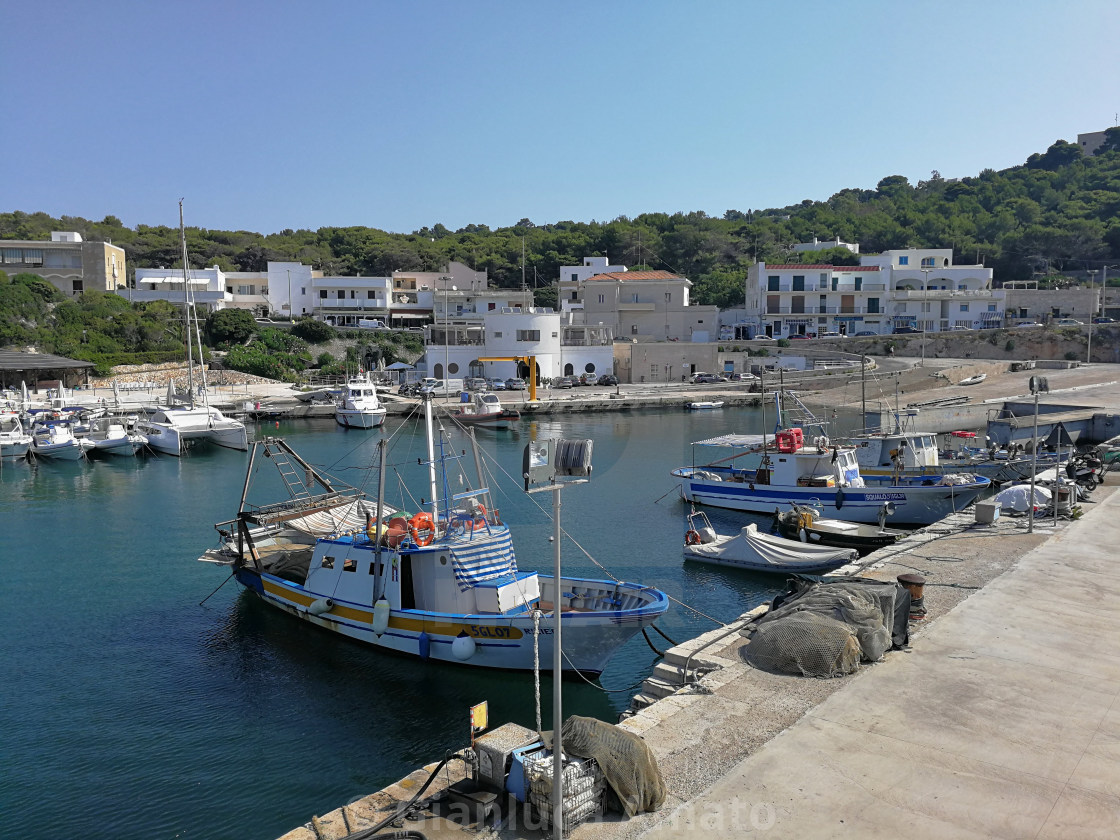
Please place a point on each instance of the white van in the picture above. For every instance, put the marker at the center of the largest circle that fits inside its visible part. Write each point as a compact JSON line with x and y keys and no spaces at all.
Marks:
{"x":442,"y":387}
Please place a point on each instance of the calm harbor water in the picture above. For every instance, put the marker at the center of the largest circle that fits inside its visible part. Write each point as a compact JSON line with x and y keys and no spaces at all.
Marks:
{"x":129,"y":710}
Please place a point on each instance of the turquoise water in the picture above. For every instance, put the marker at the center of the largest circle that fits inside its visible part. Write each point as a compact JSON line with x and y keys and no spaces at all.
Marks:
{"x":130,"y":710}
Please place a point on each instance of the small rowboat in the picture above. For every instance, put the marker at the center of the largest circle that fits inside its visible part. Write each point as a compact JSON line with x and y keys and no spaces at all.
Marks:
{"x":751,"y":549}
{"x":705,"y":405}
{"x":973,"y":380}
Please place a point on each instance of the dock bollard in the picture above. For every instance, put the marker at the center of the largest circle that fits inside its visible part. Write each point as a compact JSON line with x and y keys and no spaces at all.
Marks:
{"x":915,"y":585}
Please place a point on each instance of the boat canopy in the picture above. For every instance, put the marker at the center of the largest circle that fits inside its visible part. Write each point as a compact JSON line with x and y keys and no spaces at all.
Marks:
{"x":740,"y":441}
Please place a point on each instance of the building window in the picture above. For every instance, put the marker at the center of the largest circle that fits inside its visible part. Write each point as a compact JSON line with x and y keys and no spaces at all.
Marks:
{"x":859,"y":284}
{"x":873,"y":305}
{"x":244,"y":290}
{"x":904,"y":261}
{"x":601,"y":299}
{"x":575,"y":279}
{"x":991,"y":307}
{"x":575,"y":294}
{"x":370,"y":294}
{"x":528,"y":335}
{"x":633,"y":329}
{"x":927,"y":262}
{"x":823,"y":284}
{"x":799,"y":282}
{"x":964,"y":307}
{"x":634,"y":297}
{"x":78,"y":286}
{"x":453,"y":368}
{"x":835,"y":283}
{"x":772,"y":283}
{"x":302,"y":291}
{"x":497,"y":334}
{"x":322,"y":294}
{"x":668,"y":297}
{"x":341,"y":294}
{"x":229,"y":290}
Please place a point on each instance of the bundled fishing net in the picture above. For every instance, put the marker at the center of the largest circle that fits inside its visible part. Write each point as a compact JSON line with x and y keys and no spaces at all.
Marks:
{"x":627,"y":763}
{"x":826,"y":630}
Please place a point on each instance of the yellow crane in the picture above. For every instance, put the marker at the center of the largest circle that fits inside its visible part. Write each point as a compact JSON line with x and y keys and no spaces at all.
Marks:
{"x":530,"y":361}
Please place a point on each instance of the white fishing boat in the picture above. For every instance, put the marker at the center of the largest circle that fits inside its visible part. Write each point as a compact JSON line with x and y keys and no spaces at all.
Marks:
{"x":758,"y":552}
{"x":909,"y":453}
{"x":56,"y":440}
{"x":108,"y":436}
{"x":806,"y":525}
{"x":821,"y":475}
{"x":359,"y":407}
{"x":171,"y":428}
{"x":705,"y":405}
{"x":442,"y":584}
{"x":485,"y":411}
{"x":973,"y":380}
{"x":14,"y":442}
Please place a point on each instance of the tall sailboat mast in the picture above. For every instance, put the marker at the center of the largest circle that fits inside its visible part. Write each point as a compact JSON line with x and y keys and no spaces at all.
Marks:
{"x":186,"y":304}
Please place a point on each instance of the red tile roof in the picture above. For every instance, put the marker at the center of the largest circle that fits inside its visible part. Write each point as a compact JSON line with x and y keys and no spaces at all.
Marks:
{"x":795,"y":266}
{"x":636,"y":275}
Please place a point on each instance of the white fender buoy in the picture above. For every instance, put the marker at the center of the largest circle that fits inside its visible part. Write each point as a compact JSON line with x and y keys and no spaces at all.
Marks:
{"x":320,"y":606}
{"x":464,"y":647}
{"x":802,"y":535}
{"x":380,"y":621}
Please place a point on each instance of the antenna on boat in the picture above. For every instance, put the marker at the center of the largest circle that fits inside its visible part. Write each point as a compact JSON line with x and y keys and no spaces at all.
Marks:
{"x":544,"y":462}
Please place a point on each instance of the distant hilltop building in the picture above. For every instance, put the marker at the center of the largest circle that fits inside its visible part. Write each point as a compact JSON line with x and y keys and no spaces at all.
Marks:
{"x":67,"y":262}
{"x":817,"y":245}
{"x":1090,"y":143}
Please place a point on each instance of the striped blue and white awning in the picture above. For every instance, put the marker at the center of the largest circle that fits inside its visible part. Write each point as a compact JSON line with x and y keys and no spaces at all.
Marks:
{"x":485,"y":560}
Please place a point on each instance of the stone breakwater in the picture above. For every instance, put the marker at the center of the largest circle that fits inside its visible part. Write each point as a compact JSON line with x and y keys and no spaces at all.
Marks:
{"x":157,"y":376}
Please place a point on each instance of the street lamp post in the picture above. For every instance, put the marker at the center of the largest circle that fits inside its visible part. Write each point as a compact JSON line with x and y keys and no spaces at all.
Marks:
{"x":925,"y":290}
{"x":1092,"y":314}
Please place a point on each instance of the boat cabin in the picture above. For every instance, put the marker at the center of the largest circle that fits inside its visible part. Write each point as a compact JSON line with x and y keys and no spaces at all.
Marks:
{"x":912,"y":451}
{"x":472,"y":573}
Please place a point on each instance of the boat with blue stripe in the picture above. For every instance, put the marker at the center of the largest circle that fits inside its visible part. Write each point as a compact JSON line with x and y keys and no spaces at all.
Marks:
{"x":442,"y":584}
{"x":780,"y":470}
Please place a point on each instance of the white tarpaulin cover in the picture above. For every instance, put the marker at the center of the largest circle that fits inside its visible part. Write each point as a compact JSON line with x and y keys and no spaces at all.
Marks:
{"x":1016,"y":497}
{"x":751,"y":549}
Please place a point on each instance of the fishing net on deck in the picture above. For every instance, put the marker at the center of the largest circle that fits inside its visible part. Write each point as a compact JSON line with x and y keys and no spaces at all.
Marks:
{"x":827,"y":629}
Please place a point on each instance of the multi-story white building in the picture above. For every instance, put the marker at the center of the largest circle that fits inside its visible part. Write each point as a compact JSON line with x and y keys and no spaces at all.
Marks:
{"x":559,"y":349}
{"x":569,"y":294}
{"x":67,"y":262}
{"x":916,"y":287}
{"x":931,"y":293}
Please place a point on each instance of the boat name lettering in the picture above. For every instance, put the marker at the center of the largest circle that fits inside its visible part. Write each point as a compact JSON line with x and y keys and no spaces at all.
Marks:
{"x":886,"y":497}
{"x":484,"y":632}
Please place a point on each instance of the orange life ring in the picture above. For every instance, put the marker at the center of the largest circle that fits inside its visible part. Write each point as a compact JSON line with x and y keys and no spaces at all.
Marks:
{"x":421,"y":529}
{"x":692,"y":538}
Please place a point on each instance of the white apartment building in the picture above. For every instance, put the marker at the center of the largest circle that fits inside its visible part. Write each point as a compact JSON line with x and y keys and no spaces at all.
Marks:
{"x":931,"y":293}
{"x":67,"y":262}
{"x":817,"y":245}
{"x":558,"y":349}
{"x":915,"y":287}
{"x":570,"y":289}
{"x":646,"y":306}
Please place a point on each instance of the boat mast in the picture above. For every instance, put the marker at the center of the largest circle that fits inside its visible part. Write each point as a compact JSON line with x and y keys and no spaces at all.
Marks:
{"x":186,"y":304}
{"x":431,"y":456}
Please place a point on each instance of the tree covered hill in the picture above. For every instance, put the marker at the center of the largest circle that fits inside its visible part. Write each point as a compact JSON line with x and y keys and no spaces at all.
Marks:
{"x":1059,"y":211}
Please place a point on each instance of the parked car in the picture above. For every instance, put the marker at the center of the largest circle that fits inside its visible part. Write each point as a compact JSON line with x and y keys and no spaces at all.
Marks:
{"x":707,"y":378}
{"x":831,"y":334}
{"x":1104,"y":320}
{"x":497,"y":384}
{"x":515,"y":384}
{"x":801,"y":337}
{"x":477,"y":383}
{"x":1068,"y":322}
{"x":562,"y":382}
{"x":905,"y":330}
{"x":608,"y":379}
{"x":762,"y":338}
{"x":1026,"y":325}
{"x":589,"y":379}
{"x":958,"y":328}
{"x":741,"y":377}
{"x":862,"y":333}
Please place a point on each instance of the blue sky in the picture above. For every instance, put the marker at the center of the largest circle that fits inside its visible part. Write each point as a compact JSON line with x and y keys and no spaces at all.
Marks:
{"x":268,"y":114}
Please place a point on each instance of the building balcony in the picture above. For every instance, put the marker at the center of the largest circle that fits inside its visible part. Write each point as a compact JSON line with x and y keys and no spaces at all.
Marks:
{"x":942,"y":294}
{"x":840,"y":288}
{"x":823,"y":310}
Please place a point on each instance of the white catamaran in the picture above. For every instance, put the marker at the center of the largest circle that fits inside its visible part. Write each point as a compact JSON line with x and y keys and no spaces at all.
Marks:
{"x":171,"y":428}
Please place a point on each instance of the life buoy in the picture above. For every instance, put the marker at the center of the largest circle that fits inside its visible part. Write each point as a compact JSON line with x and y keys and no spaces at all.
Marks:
{"x":479,"y":517}
{"x":692,"y":538}
{"x":421,"y":529}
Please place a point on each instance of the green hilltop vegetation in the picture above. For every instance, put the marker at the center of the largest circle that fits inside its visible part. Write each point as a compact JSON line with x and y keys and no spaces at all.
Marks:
{"x":1057,"y":212}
